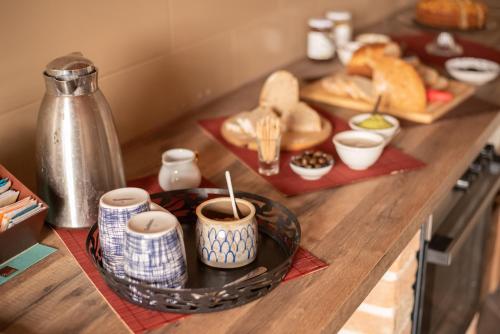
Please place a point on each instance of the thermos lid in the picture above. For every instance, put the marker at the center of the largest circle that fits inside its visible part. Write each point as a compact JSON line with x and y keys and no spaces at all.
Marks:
{"x":70,"y":66}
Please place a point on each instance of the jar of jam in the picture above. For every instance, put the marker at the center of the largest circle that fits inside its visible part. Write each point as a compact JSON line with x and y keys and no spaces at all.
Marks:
{"x":342,"y":26}
{"x":319,"y":40}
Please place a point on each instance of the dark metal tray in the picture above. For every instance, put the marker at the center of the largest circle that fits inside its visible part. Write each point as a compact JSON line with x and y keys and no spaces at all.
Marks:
{"x":279,"y":238}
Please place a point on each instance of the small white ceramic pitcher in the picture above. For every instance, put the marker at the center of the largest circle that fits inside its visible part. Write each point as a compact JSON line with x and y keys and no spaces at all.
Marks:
{"x":179,"y":170}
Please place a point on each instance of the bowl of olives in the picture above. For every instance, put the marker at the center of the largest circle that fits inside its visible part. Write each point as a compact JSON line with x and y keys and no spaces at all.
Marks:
{"x":311,"y":165}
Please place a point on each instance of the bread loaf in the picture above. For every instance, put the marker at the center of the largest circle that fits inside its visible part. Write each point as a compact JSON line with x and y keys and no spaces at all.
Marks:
{"x":399,"y":84}
{"x":281,"y":93}
{"x":455,"y":14}
{"x":361,"y":59}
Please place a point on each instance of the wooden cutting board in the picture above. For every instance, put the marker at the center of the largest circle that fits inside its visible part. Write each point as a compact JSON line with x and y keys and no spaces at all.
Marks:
{"x":435,"y":110}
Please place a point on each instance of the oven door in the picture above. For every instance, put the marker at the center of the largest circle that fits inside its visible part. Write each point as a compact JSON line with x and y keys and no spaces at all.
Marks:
{"x":455,"y":259}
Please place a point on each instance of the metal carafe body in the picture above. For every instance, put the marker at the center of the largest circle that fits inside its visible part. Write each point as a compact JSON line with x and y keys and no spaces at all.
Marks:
{"x":78,"y":153}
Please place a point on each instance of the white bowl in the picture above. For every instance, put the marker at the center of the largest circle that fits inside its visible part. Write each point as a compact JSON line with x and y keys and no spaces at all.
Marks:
{"x":358,"y":158}
{"x":346,"y":51}
{"x":388,"y":133}
{"x":476,"y":71}
{"x":371,"y":38}
{"x":311,"y":174}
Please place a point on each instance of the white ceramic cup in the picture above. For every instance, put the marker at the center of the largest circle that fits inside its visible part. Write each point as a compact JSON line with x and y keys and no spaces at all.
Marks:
{"x":358,"y":158}
{"x":226,"y":244}
{"x":179,"y":170}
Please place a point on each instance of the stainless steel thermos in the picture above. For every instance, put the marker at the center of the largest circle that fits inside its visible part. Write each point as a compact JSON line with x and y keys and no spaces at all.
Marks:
{"x":78,"y":154}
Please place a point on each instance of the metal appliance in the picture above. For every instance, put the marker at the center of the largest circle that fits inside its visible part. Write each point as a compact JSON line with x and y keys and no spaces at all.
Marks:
{"x":77,"y":149}
{"x":451,"y":256}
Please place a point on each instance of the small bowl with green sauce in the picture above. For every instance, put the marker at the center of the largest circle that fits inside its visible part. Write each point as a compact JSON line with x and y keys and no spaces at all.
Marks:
{"x":384,"y":125}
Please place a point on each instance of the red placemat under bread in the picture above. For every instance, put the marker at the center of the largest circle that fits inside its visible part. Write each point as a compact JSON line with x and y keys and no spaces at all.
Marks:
{"x":139,"y":319}
{"x":287,"y":182}
{"x":415,"y":45}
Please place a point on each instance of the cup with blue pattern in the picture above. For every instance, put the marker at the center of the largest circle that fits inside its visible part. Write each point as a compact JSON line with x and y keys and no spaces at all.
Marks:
{"x":154,"y":250}
{"x":116,"y":207}
{"x":223,"y":241}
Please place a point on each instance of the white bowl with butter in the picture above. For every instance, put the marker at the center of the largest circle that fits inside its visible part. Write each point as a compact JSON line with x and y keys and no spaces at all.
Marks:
{"x":356,"y":123}
{"x":359,"y":149}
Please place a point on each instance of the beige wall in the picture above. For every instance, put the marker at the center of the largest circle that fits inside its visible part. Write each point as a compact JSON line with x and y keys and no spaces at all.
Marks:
{"x":157,"y":58}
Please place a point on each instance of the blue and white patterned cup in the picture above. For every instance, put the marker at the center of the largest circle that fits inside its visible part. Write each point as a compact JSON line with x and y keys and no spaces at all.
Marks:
{"x":116,"y":207}
{"x":223,"y":241}
{"x":154,"y":249}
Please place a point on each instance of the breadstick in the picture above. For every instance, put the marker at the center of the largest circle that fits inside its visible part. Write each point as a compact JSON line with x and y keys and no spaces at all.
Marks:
{"x":268,"y":131}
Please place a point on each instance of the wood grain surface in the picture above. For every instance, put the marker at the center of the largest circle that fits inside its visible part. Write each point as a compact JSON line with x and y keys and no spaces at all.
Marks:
{"x":359,"y":229}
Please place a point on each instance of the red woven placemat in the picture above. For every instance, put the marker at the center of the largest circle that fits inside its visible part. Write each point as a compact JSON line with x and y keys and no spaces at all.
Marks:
{"x":415,"y":44}
{"x":287,"y":182}
{"x":139,"y":319}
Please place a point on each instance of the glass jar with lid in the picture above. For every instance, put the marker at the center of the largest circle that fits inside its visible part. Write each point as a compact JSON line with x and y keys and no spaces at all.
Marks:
{"x":342,"y":26}
{"x":319,"y":40}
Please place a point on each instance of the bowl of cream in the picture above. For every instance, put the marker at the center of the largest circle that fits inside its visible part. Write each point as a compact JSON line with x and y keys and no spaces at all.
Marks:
{"x":359,"y":149}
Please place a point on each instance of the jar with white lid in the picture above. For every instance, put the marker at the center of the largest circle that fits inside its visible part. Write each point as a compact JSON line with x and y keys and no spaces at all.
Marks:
{"x":342,"y":26}
{"x":319,"y":40}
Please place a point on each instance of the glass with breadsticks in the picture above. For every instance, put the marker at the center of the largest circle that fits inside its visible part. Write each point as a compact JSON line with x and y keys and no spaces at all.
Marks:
{"x":268,"y":143}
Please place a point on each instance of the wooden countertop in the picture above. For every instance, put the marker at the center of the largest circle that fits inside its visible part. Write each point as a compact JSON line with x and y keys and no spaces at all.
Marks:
{"x":359,"y":229}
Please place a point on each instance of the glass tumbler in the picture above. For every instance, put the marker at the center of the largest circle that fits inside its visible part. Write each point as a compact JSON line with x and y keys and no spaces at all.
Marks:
{"x":269,"y":156}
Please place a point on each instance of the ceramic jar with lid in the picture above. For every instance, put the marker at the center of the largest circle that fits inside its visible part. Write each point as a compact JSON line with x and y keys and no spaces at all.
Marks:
{"x":319,"y":40}
{"x":342,"y":26}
